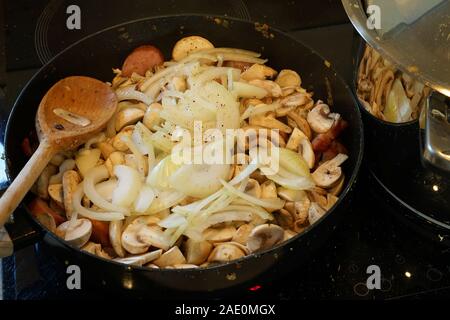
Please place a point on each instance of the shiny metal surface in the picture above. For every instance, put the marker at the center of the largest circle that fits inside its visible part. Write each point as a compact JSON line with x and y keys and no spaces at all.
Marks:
{"x":437,"y":133}
{"x":412,"y":34}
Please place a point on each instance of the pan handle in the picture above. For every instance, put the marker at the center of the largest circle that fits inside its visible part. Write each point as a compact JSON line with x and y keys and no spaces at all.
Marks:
{"x":19,"y":232}
{"x":435,"y":141}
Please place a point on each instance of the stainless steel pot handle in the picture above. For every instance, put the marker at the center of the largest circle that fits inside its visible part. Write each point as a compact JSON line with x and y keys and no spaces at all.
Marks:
{"x":436,"y":141}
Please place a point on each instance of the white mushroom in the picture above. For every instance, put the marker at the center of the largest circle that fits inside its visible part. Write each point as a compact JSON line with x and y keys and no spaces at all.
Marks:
{"x":197,"y":251}
{"x":288,"y":78}
{"x":55,"y":191}
{"x":320,"y":119}
{"x":337,"y":188}
{"x":115,"y":237}
{"x":296,"y":100}
{"x":242,"y":233}
{"x":288,"y":234}
{"x":302,"y":123}
{"x":114,"y":159}
{"x":106,"y":149}
{"x":270,"y":122}
{"x":170,"y":258}
{"x":329,"y":172}
{"x":188,"y":45}
{"x":268,"y":190}
{"x":128,"y":116}
{"x":117,"y":141}
{"x":258,"y":71}
{"x":95,"y":248}
{"x":270,"y":86}
{"x":142,"y":259}
{"x":138,"y":235}
{"x":290,"y":195}
{"x":185,"y":266}
{"x":315,"y":212}
{"x":43,"y":181}
{"x":219,"y":234}
{"x":253,"y":188}
{"x":68,"y":164}
{"x":225,"y":252}
{"x":264,"y":236}
{"x":70,"y":181}
{"x":77,"y":232}
{"x":46,"y":220}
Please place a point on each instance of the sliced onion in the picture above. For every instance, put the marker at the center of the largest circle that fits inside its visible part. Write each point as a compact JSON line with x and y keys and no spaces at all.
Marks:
{"x":159,"y":176}
{"x":94,"y":176}
{"x":106,"y":188}
{"x":91,"y":214}
{"x":274,"y":204}
{"x":173,"y":221}
{"x":130,"y":93}
{"x":144,"y":199}
{"x":128,"y":186}
{"x":164,"y":200}
{"x":87,"y":159}
{"x":245,"y":90}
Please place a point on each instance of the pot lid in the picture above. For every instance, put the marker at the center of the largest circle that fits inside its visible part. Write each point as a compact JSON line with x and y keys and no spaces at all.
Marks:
{"x":412,"y":34}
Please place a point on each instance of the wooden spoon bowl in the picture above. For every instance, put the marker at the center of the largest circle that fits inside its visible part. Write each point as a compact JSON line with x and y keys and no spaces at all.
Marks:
{"x":82,"y":97}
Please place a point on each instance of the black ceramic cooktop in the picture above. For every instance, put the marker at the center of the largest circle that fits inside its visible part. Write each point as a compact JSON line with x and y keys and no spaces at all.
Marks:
{"x":371,"y":233}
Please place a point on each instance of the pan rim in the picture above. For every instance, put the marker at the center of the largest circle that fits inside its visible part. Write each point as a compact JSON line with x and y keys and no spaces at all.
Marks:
{"x":350,"y":184}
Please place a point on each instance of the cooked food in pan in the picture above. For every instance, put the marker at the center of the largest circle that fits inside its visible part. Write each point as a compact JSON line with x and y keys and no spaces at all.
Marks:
{"x":386,"y":92}
{"x":145,"y":191}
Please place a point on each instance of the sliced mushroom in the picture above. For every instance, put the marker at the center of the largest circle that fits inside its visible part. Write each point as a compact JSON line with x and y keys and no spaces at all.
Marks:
{"x":106,"y":149}
{"x":302,"y":123}
{"x":128,"y":116}
{"x":268,"y":190}
{"x":95,"y":248}
{"x":302,"y":210}
{"x":117,"y":141}
{"x":269,"y":121}
{"x":258,"y":71}
{"x":115,"y":158}
{"x":225,"y":252}
{"x":321,"y":119}
{"x":55,"y":191}
{"x":142,"y":259}
{"x":253,"y":188}
{"x":285,"y":219}
{"x":70,"y":181}
{"x":115,"y":237}
{"x":152,"y":266}
{"x":296,"y":100}
{"x":197,"y":251}
{"x":331,"y":201}
{"x":270,"y":86}
{"x":154,"y":236}
{"x":242,"y":233}
{"x":67,"y":165}
{"x":329,"y":172}
{"x":288,"y":234}
{"x":170,"y":258}
{"x":77,"y":232}
{"x":315,"y":212}
{"x":290,"y":195}
{"x":43,"y":181}
{"x":188,"y":45}
{"x":264,"y":236}
{"x":134,"y":240}
{"x":219,"y":234}
{"x":46,"y":220}
{"x":288,"y":78}
{"x":151,"y":116}
{"x":337,"y":188}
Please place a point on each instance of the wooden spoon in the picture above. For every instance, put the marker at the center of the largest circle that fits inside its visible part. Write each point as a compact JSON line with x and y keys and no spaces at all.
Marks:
{"x":86,"y":97}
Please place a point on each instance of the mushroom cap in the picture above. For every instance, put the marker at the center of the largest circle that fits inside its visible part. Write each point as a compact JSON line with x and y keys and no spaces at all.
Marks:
{"x":242,"y":233}
{"x":128,"y":116}
{"x":264,"y":236}
{"x":115,"y":237}
{"x":219,"y":234}
{"x":133,"y":239}
{"x":329,"y":172}
{"x":253,"y":188}
{"x":142,"y":259}
{"x":315,"y":212}
{"x":320,"y":119}
{"x":76,"y":232}
{"x":225,"y":252}
{"x":288,"y":78}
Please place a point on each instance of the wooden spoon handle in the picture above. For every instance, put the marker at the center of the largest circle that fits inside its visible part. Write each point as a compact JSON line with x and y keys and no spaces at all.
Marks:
{"x":25,"y":180}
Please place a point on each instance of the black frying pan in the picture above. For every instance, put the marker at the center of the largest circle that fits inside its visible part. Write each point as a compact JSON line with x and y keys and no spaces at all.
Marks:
{"x":95,"y":56}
